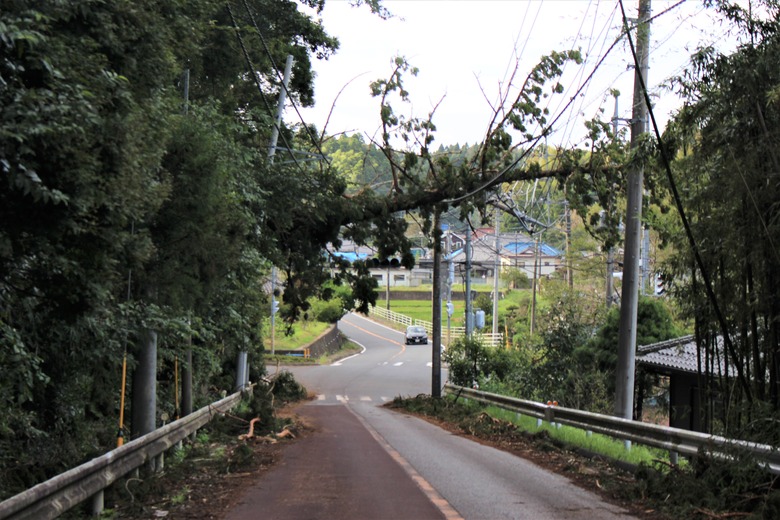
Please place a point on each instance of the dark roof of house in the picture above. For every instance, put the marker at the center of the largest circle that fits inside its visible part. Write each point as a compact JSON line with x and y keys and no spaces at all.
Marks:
{"x":679,"y":355}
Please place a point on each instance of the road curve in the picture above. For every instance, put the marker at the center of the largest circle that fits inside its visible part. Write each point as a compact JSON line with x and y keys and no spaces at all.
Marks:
{"x":367,"y":462}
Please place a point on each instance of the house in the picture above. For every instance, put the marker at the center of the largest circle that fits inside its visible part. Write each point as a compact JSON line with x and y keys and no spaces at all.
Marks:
{"x":528,"y":256}
{"x":515,"y":250}
{"x":679,"y":359}
{"x":387,"y":272}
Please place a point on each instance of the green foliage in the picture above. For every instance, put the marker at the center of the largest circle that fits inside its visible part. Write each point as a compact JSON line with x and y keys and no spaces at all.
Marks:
{"x":733,"y":486}
{"x":516,"y":278}
{"x":725,"y":171}
{"x":484,"y":301}
{"x":328,"y":312}
{"x":654,"y":323}
{"x":471,"y":364}
{"x":112,"y":195}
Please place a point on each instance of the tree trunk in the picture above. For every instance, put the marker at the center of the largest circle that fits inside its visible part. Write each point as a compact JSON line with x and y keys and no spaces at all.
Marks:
{"x":145,"y":385}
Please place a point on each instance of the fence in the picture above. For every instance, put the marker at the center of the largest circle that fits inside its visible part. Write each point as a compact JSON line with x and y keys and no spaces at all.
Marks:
{"x":487,"y":339}
{"x":55,"y":496}
{"x":673,"y":439}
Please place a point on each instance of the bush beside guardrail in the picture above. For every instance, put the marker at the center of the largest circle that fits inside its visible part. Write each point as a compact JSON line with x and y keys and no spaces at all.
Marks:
{"x":55,"y":496}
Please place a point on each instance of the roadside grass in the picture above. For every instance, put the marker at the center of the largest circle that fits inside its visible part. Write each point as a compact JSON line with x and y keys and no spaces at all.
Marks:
{"x":461,"y":411}
{"x":700,"y":487}
{"x":604,"y":445}
{"x":456,"y":288}
{"x":303,"y":334}
{"x":346,"y":350}
{"x":422,"y":310}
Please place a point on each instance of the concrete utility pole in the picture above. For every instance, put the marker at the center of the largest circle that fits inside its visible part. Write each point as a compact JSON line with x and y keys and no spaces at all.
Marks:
{"x":280,"y":108}
{"x":624,"y":398}
{"x":450,"y":281}
{"x":567,"y":216}
{"x":145,"y":386}
{"x":469,"y":316}
{"x":533,"y":289}
{"x":242,"y":371}
{"x":496,"y":271}
{"x":273,"y":310}
{"x":611,"y":251}
{"x":186,"y":384}
{"x":436,"y":318}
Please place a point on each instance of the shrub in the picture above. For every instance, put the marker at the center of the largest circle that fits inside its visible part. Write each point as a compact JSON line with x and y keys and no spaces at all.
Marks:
{"x":327,"y":312}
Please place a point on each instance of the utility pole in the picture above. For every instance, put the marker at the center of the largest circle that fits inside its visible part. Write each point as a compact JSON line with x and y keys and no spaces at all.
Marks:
{"x":533,"y":297}
{"x":450,"y":281}
{"x":273,"y":310}
{"x":280,"y":108}
{"x":186,"y":384}
{"x":496,"y":270}
{"x":611,"y":250}
{"x":469,"y":318}
{"x":624,"y":398}
{"x":567,"y":216}
{"x":436,"y":318}
{"x":387,"y":287}
{"x":271,"y":153}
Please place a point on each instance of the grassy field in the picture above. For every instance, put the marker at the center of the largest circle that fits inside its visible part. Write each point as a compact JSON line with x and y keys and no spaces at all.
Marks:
{"x":515,"y":300}
{"x":303,"y":334}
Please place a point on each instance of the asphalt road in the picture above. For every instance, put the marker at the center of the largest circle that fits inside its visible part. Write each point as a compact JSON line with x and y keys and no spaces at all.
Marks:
{"x":367,"y":462}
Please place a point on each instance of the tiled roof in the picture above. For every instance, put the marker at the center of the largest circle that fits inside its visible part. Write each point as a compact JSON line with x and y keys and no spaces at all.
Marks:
{"x":679,"y":355}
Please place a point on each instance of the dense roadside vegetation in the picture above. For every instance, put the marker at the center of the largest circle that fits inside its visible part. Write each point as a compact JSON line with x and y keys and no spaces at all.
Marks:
{"x":703,"y":488}
{"x":137,"y":222}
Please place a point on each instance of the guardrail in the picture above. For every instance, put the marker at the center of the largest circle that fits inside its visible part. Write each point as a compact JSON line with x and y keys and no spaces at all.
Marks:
{"x":387,"y":314}
{"x":488,"y":339}
{"x":55,"y":496}
{"x":675,"y":440}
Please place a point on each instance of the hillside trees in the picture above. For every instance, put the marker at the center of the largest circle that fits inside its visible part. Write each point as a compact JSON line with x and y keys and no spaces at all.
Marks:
{"x":110,"y":191}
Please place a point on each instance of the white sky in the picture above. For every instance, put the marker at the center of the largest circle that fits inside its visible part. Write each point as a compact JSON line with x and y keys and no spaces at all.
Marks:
{"x":465,"y":49}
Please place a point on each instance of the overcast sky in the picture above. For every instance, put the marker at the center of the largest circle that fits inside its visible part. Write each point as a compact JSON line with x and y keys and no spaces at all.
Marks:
{"x":465,"y":50}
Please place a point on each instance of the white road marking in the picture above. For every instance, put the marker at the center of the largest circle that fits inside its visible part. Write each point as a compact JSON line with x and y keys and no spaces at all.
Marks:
{"x":342,"y":398}
{"x":320,"y":397}
{"x":365,"y":398}
{"x":398,"y":364}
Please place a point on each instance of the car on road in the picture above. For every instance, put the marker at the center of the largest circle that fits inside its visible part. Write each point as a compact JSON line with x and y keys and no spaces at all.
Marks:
{"x":416,"y":334}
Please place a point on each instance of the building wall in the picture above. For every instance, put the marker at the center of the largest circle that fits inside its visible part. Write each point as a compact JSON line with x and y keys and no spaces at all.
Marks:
{"x":398,"y":277}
